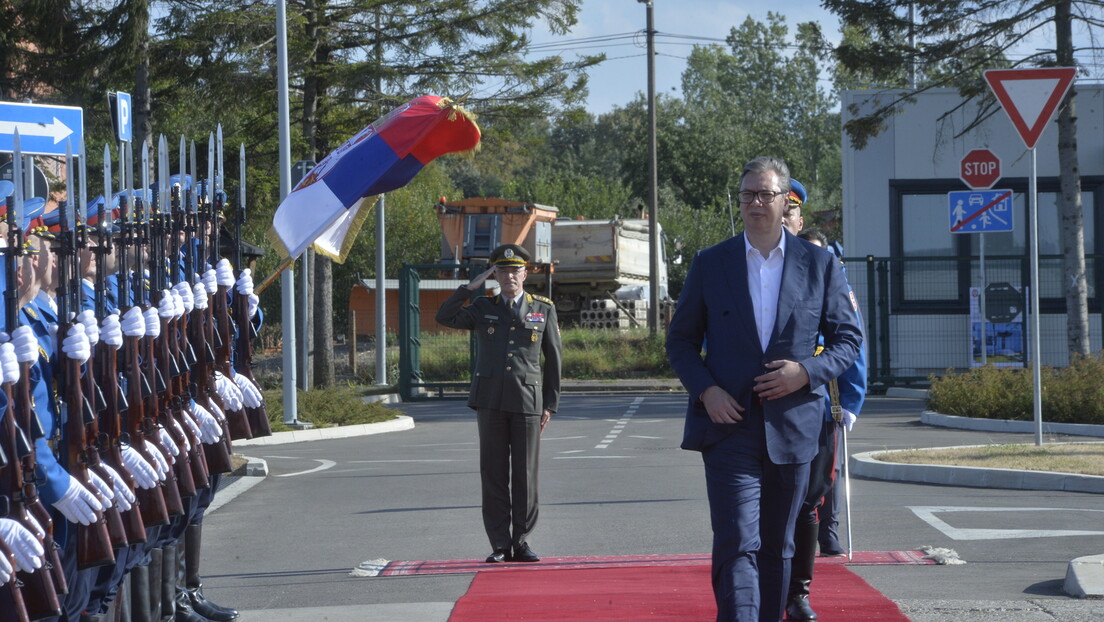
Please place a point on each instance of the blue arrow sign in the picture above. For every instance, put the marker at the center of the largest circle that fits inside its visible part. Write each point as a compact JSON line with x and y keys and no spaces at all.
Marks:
{"x":43,"y":130}
{"x":980,"y":211}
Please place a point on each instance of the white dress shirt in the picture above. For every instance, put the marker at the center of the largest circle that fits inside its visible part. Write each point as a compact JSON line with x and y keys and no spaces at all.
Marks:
{"x":764,"y":283}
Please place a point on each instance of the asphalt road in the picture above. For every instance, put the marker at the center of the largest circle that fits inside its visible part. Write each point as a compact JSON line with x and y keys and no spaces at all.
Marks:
{"x":613,"y":482}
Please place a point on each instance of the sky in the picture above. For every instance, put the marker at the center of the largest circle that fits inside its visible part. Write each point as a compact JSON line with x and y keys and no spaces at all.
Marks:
{"x":618,"y":26}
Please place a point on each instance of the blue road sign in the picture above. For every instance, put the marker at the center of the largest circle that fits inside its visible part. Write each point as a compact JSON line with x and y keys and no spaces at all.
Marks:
{"x":43,"y":129}
{"x":980,"y":211}
{"x":120,"y":116}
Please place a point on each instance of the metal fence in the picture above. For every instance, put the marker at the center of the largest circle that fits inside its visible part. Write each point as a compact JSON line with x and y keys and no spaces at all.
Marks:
{"x":917,"y":312}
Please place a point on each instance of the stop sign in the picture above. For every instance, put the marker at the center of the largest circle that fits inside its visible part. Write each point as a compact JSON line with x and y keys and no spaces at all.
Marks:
{"x":980,"y":169}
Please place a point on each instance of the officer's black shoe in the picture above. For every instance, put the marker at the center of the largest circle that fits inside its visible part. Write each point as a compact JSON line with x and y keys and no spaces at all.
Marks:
{"x":522,"y":553}
{"x":499,"y":556}
{"x":208,"y":609}
{"x":798,"y":608}
{"x":831,"y":548}
{"x":184,"y":611}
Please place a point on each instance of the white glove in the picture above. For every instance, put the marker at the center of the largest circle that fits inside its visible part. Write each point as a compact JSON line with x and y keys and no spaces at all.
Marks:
{"x":9,"y":366}
{"x":244,"y":285}
{"x":144,"y":473}
{"x":91,"y":327}
{"x":76,"y":344}
{"x":210,"y":281}
{"x":162,"y":465}
{"x":185,"y":292}
{"x":178,"y":301}
{"x":200,"y":296}
{"x":224,"y":274}
{"x":123,"y":495}
{"x":849,"y":419}
{"x":209,"y":429}
{"x":153,"y":323}
{"x":251,"y":395}
{"x":134,"y":323}
{"x":106,"y":493}
{"x":26,"y":344}
{"x":26,"y":547}
{"x":78,"y":505}
{"x":191,"y":425}
{"x":168,"y":443}
{"x":166,"y":308}
{"x":5,"y":569}
{"x":253,"y":301}
{"x":111,"y":332}
{"x":229,"y":392}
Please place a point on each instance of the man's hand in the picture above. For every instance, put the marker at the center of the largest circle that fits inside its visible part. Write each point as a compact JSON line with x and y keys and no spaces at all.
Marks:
{"x":721,"y":407}
{"x":546,"y":416}
{"x":477,"y":282}
{"x":787,"y":377}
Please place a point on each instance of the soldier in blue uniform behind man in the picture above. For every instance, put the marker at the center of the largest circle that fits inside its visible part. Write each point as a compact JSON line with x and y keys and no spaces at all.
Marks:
{"x":512,"y":393}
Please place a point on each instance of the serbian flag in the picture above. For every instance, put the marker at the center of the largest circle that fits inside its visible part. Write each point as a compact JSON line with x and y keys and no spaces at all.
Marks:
{"x":329,"y":205}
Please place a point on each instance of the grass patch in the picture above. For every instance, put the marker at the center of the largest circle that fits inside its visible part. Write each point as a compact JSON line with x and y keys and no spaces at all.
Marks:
{"x":587,"y":355}
{"x":1072,"y":394}
{"x":1080,"y":458}
{"x":336,"y":406}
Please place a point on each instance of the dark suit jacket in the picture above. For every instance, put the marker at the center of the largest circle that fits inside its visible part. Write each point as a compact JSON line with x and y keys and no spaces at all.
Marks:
{"x":715,"y":310}
{"x":509,"y":375}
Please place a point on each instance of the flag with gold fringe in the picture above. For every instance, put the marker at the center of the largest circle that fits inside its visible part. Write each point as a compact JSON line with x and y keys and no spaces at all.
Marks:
{"x":327,"y":208}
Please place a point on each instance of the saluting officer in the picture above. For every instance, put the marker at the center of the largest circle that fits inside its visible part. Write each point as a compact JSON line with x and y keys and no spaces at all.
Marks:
{"x":512,"y":393}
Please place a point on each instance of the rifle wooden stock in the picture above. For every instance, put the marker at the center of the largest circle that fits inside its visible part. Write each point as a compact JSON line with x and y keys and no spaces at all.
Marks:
{"x":177,"y":397}
{"x":91,"y":455}
{"x":152,"y":501}
{"x":238,"y":420}
{"x":158,"y":401}
{"x":38,"y":594}
{"x":111,"y":448}
{"x":93,"y":540}
{"x":11,"y":593}
{"x":243,"y":363}
{"x":26,"y":419}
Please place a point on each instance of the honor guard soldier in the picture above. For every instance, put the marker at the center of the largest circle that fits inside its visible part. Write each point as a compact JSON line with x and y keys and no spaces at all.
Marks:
{"x":512,"y":393}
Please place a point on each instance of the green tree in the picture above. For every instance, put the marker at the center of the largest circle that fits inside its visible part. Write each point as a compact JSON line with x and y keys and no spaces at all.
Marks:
{"x":960,"y":39}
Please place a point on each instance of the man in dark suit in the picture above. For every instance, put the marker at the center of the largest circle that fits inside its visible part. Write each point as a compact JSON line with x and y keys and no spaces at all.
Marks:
{"x":756,"y":304}
{"x":512,"y":393}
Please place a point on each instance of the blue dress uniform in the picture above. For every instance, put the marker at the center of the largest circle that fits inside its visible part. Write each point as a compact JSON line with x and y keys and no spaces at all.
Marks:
{"x":509,"y":392}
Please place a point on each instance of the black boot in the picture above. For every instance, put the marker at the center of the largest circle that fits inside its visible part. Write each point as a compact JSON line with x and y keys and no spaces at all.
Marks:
{"x":801,"y":573}
{"x":182,"y":608}
{"x":167,"y":587}
{"x":139,"y":593}
{"x":193,"y":542}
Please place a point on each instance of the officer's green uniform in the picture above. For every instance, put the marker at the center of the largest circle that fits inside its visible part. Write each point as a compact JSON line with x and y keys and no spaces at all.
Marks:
{"x":509,"y":391}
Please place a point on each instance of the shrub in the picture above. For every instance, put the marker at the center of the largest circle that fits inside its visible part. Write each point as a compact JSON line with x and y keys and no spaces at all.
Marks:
{"x":1072,"y":394}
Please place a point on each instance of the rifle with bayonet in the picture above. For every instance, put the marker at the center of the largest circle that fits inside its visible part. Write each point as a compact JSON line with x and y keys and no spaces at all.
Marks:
{"x":247,"y":330}
{"x":94,"y":543}
{"x":11,"y":593}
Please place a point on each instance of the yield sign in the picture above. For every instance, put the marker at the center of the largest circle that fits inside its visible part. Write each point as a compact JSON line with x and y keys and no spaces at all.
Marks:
{"x":1030,"y":96}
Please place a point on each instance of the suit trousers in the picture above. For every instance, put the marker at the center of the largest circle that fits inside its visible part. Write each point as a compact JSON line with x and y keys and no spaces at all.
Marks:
{"x":509,"y":452}
{"x":822,"y":476}
{"x":753,"y":506}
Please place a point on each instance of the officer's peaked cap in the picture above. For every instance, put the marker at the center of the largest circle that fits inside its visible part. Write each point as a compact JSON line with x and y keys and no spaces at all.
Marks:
{"x":509,"y":255}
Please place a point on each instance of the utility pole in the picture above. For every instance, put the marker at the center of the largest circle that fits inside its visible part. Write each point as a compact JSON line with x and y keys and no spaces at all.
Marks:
{"x":653,"y":183}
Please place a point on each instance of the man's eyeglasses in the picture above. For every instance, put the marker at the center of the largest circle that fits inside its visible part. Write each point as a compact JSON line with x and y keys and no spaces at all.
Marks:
{"x":765,"y":196}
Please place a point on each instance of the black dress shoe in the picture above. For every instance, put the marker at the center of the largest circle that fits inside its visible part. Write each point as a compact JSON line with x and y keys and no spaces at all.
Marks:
{"x":499,"y":556}
{"x":522,"y":553}
{"x":799,"y":609}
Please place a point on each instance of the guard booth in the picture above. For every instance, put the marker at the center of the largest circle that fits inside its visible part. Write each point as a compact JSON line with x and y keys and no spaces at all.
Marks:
{"x":472,"y":228}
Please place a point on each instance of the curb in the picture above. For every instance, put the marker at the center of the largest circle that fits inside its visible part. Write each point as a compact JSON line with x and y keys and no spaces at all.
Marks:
{"x":1085,"y":577}
{"x":932,"y":418}
{"x":256,"y":469}
{"x":866,"y":465}
{"x":905,"y":392}
{"x":399,"y":423}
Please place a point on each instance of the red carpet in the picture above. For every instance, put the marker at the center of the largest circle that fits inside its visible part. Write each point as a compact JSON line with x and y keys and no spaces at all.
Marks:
{"x":459,"y":566}
{"x":634,"y":592}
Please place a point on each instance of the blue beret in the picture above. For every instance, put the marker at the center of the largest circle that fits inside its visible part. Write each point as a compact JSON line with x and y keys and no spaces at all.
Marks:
{"x":798,"y":195}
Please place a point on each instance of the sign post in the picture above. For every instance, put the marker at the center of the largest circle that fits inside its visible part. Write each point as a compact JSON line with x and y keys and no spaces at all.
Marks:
{"x":1030,"y":97}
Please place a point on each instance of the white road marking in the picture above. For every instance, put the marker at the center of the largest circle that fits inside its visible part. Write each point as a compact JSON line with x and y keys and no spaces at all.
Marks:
{"x":927,"y":514}
{"x":324,"y":464}
{"x":619,"y":424}
{"x":386,"y":461}
{"x":586,"y":457}
{"x":648,"y":438}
